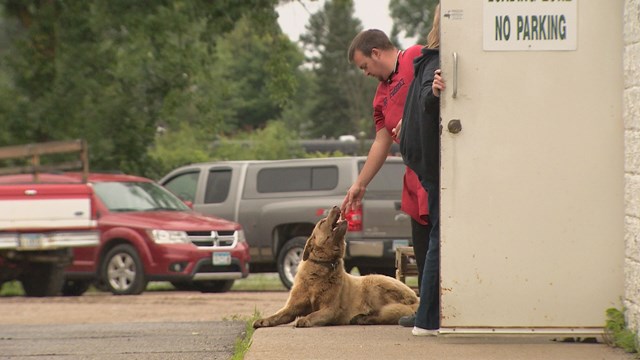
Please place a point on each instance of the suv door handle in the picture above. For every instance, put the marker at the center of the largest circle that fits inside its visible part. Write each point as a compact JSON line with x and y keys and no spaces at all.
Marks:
{"x":397,"y":205}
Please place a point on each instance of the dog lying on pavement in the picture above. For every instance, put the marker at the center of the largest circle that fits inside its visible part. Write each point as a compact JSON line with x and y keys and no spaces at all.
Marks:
{"x":323,"y":293}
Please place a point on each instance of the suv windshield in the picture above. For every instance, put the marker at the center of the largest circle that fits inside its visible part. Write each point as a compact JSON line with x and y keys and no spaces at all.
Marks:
{"x":137,"y":196}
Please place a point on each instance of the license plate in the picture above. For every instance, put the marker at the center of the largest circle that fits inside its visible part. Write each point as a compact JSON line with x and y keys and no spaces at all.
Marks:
{"x":32,"y":241}
{"x":399,"y":243}
{"x":221,"y":258}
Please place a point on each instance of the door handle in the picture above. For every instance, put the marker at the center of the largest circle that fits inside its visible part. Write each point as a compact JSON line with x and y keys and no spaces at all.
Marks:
{"x":455,"y":75}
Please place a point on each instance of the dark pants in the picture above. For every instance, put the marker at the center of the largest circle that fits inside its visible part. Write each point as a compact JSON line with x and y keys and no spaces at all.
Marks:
{"x":420,"y":240}
{"x":428,"y":314}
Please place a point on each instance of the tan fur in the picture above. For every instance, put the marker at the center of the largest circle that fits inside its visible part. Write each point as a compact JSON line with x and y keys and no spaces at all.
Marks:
{"x":325,"y":294}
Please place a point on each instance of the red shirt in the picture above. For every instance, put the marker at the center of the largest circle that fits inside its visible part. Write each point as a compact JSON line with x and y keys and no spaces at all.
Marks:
{"x":388,"y":105}
{"x":388,"y":102}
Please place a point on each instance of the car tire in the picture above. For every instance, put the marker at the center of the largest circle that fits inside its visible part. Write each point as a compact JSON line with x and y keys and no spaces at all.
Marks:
{"x":75,"y":287}
{"x":213,"y":286}
{"x":43,"y":279}
{"x":122,"y":271}
{"x":289,"y":258}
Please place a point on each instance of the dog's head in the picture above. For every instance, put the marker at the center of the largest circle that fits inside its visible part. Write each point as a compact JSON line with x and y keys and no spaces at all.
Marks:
{"x":326,"y":242}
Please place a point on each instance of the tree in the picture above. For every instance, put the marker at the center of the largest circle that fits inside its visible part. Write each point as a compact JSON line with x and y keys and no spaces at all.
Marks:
{"x":113,"y":71}
{"x":274,"y":141}
{"x":343,"y":97}
{"x":258,"y":70}
{"x":413,"y":17}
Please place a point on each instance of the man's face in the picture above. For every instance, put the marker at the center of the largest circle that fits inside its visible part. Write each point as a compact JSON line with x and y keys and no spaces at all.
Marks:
{"x":371,"y":66}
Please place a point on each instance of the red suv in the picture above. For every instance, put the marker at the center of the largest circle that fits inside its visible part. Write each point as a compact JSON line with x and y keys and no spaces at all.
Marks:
{"x":148,"y":234}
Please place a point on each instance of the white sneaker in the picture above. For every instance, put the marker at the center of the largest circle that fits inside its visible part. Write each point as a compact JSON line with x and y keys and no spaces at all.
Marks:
{"x":423,"y":332}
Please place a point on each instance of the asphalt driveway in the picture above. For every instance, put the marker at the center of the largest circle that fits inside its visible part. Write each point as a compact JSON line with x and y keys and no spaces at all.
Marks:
{"x":162,"y":340}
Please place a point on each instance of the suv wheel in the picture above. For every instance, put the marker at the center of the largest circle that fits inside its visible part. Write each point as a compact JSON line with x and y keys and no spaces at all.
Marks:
{"x":122,"y":271}
{"x":289,"y":257}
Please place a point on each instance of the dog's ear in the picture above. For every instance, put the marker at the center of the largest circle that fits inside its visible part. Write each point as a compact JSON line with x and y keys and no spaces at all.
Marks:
{"x":308,"y":248}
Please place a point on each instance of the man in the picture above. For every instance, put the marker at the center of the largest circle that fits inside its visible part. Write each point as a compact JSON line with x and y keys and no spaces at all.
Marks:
{"x":373,"y":53}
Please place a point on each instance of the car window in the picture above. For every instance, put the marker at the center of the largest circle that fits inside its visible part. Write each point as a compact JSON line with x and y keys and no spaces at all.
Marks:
{"x":137,"y":196}
{"x":302,"y":178}
{"x":388,"y":178}
{"x":218,"y":183}
{"x":184,"y":185}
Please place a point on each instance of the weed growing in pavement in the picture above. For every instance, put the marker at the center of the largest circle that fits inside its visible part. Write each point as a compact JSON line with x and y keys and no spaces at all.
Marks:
{"x":243,"y":343}
{"x":616,"y":332}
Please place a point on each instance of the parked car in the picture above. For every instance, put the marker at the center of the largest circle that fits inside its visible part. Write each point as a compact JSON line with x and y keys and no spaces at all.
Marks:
{"x":148,"y":234}
{"x":279,"y":202}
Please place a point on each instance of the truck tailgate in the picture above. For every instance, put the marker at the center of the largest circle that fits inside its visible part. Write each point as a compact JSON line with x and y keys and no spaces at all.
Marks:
{"x":382,"y":218}
{"x":45,"y":206}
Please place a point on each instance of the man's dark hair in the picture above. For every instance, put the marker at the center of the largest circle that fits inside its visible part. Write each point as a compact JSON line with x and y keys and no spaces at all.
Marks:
{"x":367,"y":40}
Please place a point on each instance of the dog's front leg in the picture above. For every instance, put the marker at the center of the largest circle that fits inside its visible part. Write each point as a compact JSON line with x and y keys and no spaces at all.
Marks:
{"x":321,"y":317}
{"x":284,"y":316}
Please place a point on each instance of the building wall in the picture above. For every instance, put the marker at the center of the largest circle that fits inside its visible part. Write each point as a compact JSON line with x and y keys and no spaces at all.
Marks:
{"x":631,"y":115}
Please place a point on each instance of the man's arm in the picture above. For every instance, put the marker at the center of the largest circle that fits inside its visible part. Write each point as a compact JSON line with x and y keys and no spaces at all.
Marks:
{"x":377,"y":155}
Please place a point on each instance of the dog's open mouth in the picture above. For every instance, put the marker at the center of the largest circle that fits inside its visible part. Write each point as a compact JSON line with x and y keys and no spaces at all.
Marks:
{"x":337,"y":224}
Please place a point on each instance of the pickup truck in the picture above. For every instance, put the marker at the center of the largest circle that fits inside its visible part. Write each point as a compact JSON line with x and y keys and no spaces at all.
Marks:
{"x":279,"y":202}
{"x":40,"y":222}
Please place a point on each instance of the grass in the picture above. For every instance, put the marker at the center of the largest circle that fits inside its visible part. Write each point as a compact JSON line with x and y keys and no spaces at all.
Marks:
{"x":11,"y":288}
{"x":244,"y":342}
{"x":254,"y":282}
{"x":616,"y":332}
{"x":259,"y":282}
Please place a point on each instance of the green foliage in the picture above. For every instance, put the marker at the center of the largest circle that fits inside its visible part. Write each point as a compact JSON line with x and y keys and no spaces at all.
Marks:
{"x":113,"y":71}
{"x":11,"y":288}
{"x":343,"y":95}
{"x":413,"y":17}
{"x":273,"y":142}
{"x":175,"y":148}
{"x":256,"y":73}
{"x":318,"y":154}
{"x":617,"y":333}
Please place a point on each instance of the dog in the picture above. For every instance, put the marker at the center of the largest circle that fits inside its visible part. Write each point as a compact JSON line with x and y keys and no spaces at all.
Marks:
{"x":323,"y":293}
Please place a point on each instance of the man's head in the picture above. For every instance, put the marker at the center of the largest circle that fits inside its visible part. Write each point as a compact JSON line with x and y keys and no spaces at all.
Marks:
{"x":373,"y":53}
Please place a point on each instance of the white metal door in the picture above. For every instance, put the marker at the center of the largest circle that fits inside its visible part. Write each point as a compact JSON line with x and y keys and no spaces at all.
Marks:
{"x":532,"y":186}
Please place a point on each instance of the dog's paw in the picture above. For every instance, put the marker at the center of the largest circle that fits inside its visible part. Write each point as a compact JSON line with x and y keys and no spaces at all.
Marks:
{"x":302,"y":322}
{"x":358,"y":319}
{"x":260,"y":323}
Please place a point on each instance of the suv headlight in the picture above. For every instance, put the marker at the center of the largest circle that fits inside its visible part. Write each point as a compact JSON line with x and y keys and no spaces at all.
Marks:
{"x":241,"y":237}
{"x":168,"y":237}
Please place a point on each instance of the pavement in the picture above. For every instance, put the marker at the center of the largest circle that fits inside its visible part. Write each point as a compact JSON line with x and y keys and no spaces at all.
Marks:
{"x":141,"y":341}
{"x":394,"y":342}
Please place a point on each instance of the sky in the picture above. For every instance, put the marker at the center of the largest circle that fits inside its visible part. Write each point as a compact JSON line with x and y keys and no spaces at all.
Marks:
{"x":372,"y":13}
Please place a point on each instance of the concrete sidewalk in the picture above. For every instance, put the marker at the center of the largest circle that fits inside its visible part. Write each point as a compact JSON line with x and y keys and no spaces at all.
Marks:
{"x":396,"y":343}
